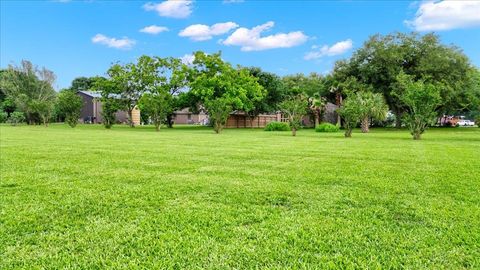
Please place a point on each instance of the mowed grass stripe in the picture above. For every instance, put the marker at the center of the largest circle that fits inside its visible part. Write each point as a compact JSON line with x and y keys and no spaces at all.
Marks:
{"x":188,"y":198}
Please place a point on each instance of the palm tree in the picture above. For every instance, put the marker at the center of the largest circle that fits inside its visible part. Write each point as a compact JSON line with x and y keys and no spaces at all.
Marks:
{"x":373,"y":107}
{"x":317,"y":106}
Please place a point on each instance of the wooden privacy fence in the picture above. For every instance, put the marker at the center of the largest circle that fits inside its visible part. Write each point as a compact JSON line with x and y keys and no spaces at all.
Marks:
{"x":243,"y":121}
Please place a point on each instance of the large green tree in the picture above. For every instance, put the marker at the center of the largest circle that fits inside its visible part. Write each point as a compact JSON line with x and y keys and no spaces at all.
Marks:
{"x":32,"y":90}
{"x":70,"y":105}
{"x":421,"y":100}
{"x":274,"y":93}
{"x":82,"y":84}
{"x":172,"y":77}
{"x":156,"y":106}
{"x":109,"y":91}
{"x":351,"y":112}
{"x":222,"y":88}
{"x":383,"y":57}
{"x":130,"y":81}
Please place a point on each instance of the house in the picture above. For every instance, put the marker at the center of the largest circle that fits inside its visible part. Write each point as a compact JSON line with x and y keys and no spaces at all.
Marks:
{"x":239,"y":119}
{"x":186,"y":117}
{"x":92,"y":110}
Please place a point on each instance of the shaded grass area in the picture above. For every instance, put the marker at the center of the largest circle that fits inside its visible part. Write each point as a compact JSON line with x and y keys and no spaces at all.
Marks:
{"x":188,"y":198}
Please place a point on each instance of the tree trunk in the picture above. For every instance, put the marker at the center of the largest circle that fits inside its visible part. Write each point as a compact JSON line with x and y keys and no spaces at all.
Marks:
{"x":217,"y":127}
{"x":294,"y":132}
{"x":317,"y":119}
{"x":157,"y":126}
{"x":170,"y":121}
{"x":365,"y":125}
{"x":339,"y":102}
{"x":251,"y":121}
{"x":417,"y":135}
{"x":398,"y":119}
{"x":348,"y":132}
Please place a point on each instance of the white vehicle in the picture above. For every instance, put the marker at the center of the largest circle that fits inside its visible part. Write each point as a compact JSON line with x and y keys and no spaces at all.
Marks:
{"x":465,"y":123}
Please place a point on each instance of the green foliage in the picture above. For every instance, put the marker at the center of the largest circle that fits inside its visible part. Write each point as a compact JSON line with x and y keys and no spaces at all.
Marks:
{"x":351,"y":112}
{"x":110,"y":107}
{"x":383,"y":57}
{"x":477,"y":121}
{"x":163,"y":77}
{"x":3,"y":116}
{"x":82,"y":84}
{"x":222,"y":88}
{"x":70,"y":104}
{"x":327,"y":127}
{"x":8,"y":105}
{"x":294,"y":109}
{"x":156,"y":106}
{"x":171,"y":78}
{"x":31,"y":89}
{"x":128,"y":82}
{"x":277,"y":126}
{"x":421,"y":100}
{"x":316,"y":104}
{"x":218,"y":111}
{"x":373,"y":107}
{"x":274,"y":93}
{"x":16,"y":118}
{"x":309,"y":86}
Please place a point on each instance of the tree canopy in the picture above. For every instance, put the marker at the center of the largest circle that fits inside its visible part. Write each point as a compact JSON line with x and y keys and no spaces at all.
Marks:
{"x":31,"y":88}
{"x":383,"y":57}
{"x":222,"y":88}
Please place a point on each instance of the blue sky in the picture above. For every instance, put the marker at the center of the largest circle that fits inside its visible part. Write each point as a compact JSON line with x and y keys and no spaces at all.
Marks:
{"x":82,"y":38}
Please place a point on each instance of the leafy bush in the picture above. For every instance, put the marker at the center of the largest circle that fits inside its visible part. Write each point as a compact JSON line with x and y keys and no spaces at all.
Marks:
{"x":277,"y":126}
{"x":15,"y":118}
{"x":327,"y":127}
{"x":477,"y":121}
{"x":3,"y":117}
{"x":70,"y":104}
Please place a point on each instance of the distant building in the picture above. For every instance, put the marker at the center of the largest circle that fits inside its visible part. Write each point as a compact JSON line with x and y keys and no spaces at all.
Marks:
{"x":92,"y":110}
{"x":239,"y":119}
{"x":186,"y":117}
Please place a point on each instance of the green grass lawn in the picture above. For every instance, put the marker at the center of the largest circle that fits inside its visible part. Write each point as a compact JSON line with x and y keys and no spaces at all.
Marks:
{"x":127,"y":198}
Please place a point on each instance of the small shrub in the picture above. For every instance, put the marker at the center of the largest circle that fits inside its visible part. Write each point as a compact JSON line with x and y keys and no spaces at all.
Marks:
{"x":15,"y":118}
{"x":477,"y":121}
{"x":3,"y":117}
{"x":327,"y":127}
{"x":277,"y":126}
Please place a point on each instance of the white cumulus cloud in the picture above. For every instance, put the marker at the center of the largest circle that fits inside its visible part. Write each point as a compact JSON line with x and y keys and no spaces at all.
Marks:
{"x":251,"y":39}
{"x":120,"y":43}
{"x":338,"y":48}
{"x":200,"y":32}
{"x":154,"y":29}
{"x":171,"y":8}
{"x":446,"y":15}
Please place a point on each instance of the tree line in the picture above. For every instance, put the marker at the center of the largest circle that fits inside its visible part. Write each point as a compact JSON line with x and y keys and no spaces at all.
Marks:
{"x":415,"y":77}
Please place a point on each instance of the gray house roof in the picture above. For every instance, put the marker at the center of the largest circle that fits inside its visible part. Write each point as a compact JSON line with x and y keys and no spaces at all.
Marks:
{"x":98,"y":95}
{"x":91,"y":94}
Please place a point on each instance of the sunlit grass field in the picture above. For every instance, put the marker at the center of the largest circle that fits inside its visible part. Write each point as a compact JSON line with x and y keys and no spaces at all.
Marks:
{"x":187,"y":198}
